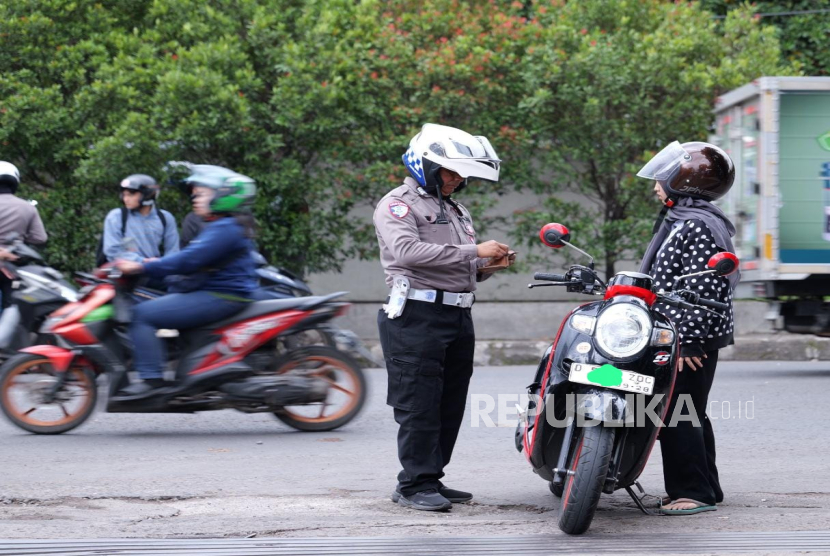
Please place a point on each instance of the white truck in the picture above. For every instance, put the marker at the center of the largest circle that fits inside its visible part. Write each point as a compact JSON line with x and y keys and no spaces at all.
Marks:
{"x":777,"y":131}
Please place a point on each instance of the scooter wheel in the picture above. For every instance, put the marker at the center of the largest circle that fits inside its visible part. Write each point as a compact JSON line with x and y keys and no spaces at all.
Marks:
{"x":24,"y":381}
{"x":347,"y":389}
{"x":583,"y":489}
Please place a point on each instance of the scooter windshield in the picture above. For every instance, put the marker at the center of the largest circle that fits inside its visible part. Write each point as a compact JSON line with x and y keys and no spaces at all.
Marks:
{"x":664,"y":163}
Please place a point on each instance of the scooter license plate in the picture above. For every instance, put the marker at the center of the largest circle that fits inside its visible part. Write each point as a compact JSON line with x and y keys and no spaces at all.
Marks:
{"x":609,"y":376}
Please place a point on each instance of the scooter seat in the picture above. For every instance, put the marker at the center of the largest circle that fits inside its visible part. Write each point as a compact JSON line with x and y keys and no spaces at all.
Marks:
{"x":260,"y":308}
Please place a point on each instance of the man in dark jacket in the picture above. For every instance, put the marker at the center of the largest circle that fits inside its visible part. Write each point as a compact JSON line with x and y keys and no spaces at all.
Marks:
{"x":688,"y":232}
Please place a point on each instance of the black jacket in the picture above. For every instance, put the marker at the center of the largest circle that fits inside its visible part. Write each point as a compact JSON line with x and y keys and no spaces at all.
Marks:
{"x":687,"y":250}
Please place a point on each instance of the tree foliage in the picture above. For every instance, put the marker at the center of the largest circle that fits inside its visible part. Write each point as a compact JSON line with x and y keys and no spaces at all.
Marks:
{"x":804,"y":37}
{"x":317,"y":99}
{"x":610,"y":83}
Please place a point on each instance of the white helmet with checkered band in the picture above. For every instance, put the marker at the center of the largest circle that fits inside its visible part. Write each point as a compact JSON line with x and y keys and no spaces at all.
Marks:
{"x":438,"y":146}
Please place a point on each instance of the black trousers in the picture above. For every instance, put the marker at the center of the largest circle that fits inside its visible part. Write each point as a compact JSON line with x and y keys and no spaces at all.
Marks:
{"x":429,"y":360}
{"x":689,"y":469}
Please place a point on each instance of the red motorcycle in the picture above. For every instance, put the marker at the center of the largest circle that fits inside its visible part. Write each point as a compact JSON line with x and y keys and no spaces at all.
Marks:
{"x":237,"y":363}
{"x":613,"y":363}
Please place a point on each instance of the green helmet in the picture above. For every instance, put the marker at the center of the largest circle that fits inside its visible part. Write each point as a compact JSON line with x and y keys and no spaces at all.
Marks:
{"x":233,"y":192}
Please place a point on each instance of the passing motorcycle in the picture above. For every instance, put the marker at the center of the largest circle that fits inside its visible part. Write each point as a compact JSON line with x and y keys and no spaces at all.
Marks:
{"x":274,"y":283}
{"x":37,"y":291}
{"x":587,"y":428}
{"x":51,"y":389}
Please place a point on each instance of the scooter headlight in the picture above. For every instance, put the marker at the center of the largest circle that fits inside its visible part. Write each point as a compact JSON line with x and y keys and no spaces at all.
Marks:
{"x":623,"y":330}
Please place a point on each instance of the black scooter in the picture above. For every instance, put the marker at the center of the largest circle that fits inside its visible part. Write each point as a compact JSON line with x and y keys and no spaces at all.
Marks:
{"x":37,"y":290}
{"x":603,"y":387}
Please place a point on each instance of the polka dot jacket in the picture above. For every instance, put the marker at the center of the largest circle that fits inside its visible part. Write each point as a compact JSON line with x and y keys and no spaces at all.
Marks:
{"x":687,"y":250}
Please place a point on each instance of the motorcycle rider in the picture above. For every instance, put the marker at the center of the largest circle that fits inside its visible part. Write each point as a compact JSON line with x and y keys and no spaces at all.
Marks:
{"x":152,"y":229}
{"x":428,"y":242}
{"x":192,"y":226}
{"x":689,"y":230}
{"x":219,"y":269}
{"x":17,"y":217}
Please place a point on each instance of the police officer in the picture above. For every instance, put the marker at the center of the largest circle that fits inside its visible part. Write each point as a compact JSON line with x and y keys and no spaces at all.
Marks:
{"x":429,"y":254}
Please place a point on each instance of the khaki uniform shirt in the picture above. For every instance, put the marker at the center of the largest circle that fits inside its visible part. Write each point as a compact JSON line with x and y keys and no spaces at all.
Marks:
{"x":432,"y":256}
{"x":17,"y":215}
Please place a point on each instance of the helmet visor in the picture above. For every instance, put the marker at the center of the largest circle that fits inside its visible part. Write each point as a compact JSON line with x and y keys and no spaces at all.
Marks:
{"x":489,"y":151}
{"x":664,"y":163}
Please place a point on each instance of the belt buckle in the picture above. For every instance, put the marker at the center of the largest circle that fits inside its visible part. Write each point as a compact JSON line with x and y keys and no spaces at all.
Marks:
{"x":463,"y":300}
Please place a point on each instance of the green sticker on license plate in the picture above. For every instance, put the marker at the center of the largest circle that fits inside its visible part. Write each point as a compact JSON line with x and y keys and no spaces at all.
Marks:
{"x":607,"y":375}
{"x":611,"y":377}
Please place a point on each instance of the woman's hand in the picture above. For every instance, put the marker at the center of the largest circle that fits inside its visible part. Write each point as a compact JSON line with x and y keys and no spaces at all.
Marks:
{"x":691,"y":362}
{"x":128,"y":267}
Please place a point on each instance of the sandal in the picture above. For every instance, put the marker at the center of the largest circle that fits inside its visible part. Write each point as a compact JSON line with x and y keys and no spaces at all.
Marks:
{"x":698,"y":507}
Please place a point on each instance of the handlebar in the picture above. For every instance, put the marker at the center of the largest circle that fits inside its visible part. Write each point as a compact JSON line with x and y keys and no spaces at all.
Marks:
{"x":713,"y":304}
{"x":550,"y":277}
{"x":689,"y":300}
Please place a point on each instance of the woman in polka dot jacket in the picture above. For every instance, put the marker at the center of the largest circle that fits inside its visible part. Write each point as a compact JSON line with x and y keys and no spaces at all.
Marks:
{"x":687,"y":250}
{"x":688,"y":232}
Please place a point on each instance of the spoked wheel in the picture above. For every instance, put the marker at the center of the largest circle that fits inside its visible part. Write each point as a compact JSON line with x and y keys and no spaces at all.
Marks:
{"x":346,"y":389}
{"x":583,"y":489}
{"x":26,"y":380}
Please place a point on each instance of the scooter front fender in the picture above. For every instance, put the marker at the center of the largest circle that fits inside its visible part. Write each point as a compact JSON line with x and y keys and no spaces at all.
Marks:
{"x":58,"y":356}
{"x":601,"y":405}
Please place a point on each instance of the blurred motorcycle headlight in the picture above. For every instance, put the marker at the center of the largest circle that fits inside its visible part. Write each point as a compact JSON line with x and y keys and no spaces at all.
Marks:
{"x":623,"y":330}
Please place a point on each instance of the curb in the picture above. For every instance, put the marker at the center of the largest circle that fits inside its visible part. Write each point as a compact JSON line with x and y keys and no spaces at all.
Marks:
{"x":761,"y":347}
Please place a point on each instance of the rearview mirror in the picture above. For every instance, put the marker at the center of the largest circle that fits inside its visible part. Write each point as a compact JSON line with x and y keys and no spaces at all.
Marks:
{"x":723,"y":264}
{"x":553,"y":235}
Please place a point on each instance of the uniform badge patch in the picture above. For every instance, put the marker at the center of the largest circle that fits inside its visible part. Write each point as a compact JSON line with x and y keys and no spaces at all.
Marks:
{"x":398,"y":209}
{"x":468,"y":227}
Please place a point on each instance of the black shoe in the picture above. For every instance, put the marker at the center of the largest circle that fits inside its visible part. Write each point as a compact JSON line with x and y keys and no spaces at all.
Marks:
{"x":142,"y":389}
{"x":454,"y":496}
{"x":426,"y":500}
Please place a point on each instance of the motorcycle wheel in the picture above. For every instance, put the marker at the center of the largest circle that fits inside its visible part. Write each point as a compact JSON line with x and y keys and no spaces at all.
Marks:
{"x":25,"y":378}
{"x":583,"y":489}
{"x":347,"y":389}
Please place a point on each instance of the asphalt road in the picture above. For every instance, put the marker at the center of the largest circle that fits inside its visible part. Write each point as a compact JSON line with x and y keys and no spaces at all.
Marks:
{"x":227,"y":474}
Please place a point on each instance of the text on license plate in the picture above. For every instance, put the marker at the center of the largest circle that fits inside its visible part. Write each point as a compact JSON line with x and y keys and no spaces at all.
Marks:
{"x":611,"y":377}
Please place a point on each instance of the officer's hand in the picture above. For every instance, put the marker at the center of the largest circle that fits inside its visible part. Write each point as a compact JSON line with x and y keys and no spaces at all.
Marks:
{"x":7,"y":255}
{"x":492,"y":249}
{"x":511,"y":259}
